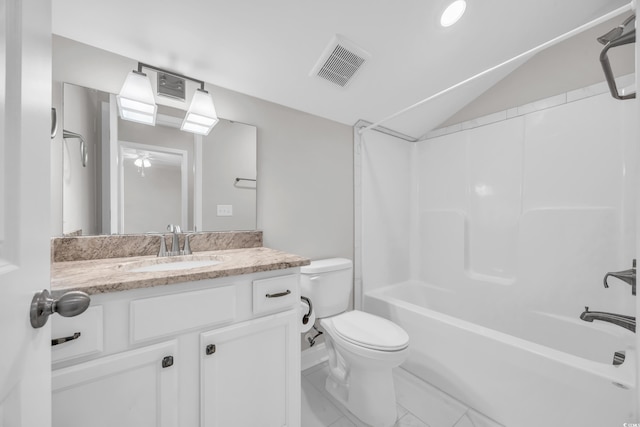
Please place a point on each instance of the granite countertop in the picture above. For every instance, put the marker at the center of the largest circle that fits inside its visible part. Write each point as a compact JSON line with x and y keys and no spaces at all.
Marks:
{"x":114,"y":274}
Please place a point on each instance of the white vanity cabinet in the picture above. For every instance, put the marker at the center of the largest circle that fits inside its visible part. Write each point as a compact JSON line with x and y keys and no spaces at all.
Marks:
{"x":246,"y":375}
{"x":216,"y":352}
{"x":132,"y":388}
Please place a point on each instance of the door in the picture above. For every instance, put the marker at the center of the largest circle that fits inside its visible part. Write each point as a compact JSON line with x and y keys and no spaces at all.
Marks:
{"x":25,"y":126}
{"x":136,"y":388}
{"x":250,"y":373}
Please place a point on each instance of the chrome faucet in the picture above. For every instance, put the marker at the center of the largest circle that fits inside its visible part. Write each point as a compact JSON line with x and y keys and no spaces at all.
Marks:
{"x":175,"y":243}
{"x":627,"y":322}
{"x":628,"y":276}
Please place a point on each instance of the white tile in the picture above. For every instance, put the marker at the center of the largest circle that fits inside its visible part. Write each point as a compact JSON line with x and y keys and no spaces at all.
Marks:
{"x":444,"y":131}
{"x":317,"y":410}
{"x":429,"y":404}
{"x":485,"y":120}
{"x":343,"y":422}
{"x":464,"y":422}
{"x":585,"y":92}
{"x":402,"y":411}
{"x":480,"y":420}
{"x":543,"y":104}
{"x":512,"y":112}
{"x":410,"y":420}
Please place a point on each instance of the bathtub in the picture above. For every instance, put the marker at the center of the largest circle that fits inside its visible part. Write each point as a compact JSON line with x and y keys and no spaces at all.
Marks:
{"x":522,"y":369}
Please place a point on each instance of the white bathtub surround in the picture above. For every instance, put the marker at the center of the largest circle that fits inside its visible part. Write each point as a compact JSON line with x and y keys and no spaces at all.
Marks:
{"x":507,"y":225}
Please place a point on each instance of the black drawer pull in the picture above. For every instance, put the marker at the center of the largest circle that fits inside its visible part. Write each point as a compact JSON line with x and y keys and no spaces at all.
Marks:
{"x":65,"y":339}
{"x":279,"y":294}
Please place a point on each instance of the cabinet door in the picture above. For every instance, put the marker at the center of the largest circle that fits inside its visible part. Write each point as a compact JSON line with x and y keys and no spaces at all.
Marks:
{"x":129,"y":389}
{"x":252,"y":377}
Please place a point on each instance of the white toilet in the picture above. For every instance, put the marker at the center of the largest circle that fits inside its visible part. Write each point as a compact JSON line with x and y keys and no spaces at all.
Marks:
{"x":363,"y":348}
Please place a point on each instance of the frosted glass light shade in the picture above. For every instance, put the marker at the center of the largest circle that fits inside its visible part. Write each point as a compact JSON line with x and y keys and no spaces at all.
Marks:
{"x":135,"y":100}
{"x":201,"y":116}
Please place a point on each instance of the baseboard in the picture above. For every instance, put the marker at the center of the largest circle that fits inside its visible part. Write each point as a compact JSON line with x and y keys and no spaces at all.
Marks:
{"x":313,"y":356}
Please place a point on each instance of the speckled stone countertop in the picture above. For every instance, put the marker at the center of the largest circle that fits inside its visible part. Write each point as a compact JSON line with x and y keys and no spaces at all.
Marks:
{"x":114,"y":274}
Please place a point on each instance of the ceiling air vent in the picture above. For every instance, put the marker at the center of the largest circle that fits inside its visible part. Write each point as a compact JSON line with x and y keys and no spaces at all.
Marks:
{"x":340,"y":61}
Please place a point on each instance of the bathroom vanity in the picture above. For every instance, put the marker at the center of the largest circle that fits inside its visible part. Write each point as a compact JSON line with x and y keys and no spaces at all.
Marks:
{"x":214,"y":345}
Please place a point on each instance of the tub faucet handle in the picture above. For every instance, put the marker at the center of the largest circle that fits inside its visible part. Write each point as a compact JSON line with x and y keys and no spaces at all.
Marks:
{"x":627,"y":276}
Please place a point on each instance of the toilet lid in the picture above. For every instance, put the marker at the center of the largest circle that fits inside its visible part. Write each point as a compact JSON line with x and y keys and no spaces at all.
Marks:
{"x":368,"y":330}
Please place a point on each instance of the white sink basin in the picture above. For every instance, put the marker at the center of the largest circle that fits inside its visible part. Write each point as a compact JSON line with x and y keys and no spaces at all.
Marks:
{"x":176,"y":265}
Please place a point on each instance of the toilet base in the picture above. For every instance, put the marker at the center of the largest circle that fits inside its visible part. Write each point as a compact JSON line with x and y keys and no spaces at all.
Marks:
{"x":369,"y":394}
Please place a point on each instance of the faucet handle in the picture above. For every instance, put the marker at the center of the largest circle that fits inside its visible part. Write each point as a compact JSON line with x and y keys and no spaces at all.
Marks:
{"x":186,"y":250}
{"x":163,"y":247}
{"x":173,"y":228}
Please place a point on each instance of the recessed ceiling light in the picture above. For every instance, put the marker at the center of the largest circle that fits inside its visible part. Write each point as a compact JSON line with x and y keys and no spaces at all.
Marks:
{"x":453,"y":13}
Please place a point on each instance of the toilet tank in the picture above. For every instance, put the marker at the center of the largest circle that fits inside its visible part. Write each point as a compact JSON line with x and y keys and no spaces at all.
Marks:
{"x":328,"y":284}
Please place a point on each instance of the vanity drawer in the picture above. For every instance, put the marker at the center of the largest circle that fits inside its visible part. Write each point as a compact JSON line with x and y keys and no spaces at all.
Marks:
{"x":275,"y":294}
{"x":171,"y":314}
{"x":90,"y":326}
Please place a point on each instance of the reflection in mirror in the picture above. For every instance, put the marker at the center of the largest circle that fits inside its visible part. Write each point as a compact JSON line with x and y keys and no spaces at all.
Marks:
{"x":187,"y":180}
{"x":153,"y":190}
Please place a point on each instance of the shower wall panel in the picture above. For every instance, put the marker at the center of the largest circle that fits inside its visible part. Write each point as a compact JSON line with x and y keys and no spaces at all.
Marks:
{"x":386,"y":217}
{"x":533,"y":210}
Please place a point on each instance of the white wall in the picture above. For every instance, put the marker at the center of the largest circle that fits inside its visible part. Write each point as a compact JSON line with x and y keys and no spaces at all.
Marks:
{"x":305,"y":163}
{"x":229,"y":152}
{"x":151,"y":201}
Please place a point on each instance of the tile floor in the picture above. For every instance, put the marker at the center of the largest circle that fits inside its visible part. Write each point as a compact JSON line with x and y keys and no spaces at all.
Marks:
{"x":419,"y":404}
{"x":319,"y":409}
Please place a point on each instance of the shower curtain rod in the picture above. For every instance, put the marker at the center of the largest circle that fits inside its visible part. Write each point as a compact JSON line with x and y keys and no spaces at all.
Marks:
{"x":571,"y":33}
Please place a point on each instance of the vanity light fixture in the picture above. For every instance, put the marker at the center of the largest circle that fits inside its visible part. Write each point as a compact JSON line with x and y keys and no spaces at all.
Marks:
{"x":136,"y":102}
{"x":453,"y":13}
{"x":201,"y":116}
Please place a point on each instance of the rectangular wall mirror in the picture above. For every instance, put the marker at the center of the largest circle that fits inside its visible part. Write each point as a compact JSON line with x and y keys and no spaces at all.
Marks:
{"x":121,"y":177}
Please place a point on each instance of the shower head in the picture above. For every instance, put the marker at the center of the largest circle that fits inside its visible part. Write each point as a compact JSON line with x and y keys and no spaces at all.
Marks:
{"x":623,"y":34}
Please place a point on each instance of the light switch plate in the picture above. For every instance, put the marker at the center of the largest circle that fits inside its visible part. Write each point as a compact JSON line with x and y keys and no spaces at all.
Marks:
{"x":225,"y":210}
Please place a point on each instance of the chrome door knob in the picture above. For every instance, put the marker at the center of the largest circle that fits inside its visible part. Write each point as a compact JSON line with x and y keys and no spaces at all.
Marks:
{"x":69,"y":305}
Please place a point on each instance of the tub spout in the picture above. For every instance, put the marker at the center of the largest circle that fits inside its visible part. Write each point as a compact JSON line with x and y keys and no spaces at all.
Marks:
{"x":627,"y":276}
{"x":627,"y":322}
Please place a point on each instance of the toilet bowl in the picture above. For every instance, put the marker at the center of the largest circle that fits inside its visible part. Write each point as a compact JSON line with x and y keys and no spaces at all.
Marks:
{"x":362,"y":348}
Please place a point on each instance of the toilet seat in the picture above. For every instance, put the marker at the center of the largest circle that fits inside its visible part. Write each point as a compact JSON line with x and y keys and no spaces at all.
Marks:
{"x":369,"y":331}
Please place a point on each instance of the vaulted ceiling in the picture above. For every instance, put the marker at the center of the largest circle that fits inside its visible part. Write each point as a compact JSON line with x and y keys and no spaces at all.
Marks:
{"x":267,"y":48}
